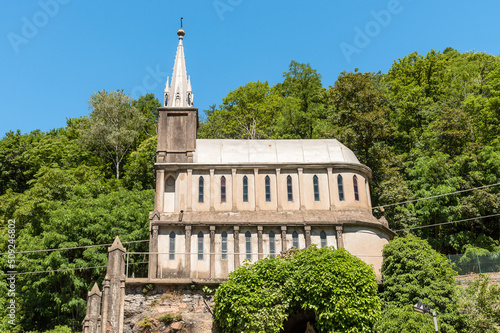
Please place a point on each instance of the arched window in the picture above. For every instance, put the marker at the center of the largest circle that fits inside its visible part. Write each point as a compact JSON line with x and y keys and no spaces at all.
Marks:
{"x":289,"y":188}
{"x":248,"y":241}
{"x":171,"y":250}
{"x":340,"y":184}
{"x":200,"y":245}
{"x":355,"y":183}
{"x":201,"y":183}
{"x":316,"y":188}
{"x":272,"y":249}
{"x":267,"y":182}
{"x":245,"y":189}
{"x":295,"y":240}
{"x":223,"y":189}
{"x":224,"y":245}
{"x":322,"y":236}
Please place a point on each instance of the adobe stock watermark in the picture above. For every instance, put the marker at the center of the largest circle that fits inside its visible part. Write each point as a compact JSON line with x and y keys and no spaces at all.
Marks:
{"x":223,"y":6}
{"x":150,"y":82}
{"x":363,"y":37}
{"x":11,"y":279}
{"x":31,"y":26}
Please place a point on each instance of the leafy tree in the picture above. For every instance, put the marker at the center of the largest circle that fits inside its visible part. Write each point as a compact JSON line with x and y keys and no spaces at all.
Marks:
{"x":139,"y":170}
{"x":359,"y":118}
{"x":333,"y":289}
{"x":412,"y":271}
{"x":113,"y":126}
{"x":249,"y":112}
{"x":304,"y":102}
{"x":148,"y":106}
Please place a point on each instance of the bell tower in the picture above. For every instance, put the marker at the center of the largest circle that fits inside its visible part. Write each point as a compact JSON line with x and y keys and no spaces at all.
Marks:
{"x":177,"y":119}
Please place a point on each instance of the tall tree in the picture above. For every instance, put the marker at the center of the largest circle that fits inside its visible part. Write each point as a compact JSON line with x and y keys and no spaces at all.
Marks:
{"x":113,"y":126}
{"x":248,"y":112}
{"x":304,"y":97}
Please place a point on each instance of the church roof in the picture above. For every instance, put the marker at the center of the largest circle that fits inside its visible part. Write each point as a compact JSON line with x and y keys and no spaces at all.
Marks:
{"x":222,"y":151}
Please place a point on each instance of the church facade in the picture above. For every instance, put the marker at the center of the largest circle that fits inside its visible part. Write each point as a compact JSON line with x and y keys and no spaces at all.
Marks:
{"x":220,"y":202}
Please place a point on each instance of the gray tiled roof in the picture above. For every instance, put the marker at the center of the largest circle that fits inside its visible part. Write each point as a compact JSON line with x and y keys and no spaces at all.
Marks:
{"x":216,"y":151}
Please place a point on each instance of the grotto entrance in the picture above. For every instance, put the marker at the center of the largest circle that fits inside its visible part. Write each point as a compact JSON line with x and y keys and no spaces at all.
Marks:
{"x":297,"y":323}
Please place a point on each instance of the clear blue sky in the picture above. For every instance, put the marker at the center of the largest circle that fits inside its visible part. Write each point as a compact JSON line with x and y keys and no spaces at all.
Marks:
{"x":55,"y":53}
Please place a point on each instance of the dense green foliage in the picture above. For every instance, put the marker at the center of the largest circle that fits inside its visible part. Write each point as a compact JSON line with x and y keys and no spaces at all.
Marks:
{"x":413,"y":272}
{"x":62,"y":194}
{"x":428,"y":126}
{"x":335,"y":290}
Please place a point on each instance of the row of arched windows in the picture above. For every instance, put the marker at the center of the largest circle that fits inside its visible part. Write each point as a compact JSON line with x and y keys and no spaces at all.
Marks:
{"x":267,"y":188}
{"x":248,"y":244}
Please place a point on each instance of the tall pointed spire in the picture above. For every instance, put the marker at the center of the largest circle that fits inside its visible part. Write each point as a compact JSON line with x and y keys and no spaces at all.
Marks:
{"x":179,"y":92}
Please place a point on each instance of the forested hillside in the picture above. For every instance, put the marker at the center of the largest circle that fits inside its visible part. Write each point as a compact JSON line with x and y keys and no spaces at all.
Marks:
{"x":429,"y":126}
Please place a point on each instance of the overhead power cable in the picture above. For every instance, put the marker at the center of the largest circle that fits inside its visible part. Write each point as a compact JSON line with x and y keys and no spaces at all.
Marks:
{"x":435,"y":196}
{"x":10,"y":273}
{"x":457,"y":221}
{"x":76,"y":247}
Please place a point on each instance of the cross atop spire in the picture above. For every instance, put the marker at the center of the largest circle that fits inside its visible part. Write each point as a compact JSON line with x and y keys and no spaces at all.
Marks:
{"x":179,"y":92}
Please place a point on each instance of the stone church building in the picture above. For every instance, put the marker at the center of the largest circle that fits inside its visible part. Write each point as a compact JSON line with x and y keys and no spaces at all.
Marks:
{"x":221,"y":202}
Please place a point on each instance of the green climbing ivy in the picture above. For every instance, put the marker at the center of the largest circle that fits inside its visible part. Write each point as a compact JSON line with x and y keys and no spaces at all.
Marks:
{"x":336,"y":290}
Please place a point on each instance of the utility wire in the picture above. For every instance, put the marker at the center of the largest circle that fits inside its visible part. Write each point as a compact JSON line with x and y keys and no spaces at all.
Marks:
{"x":436,"y":196}
{"x":65,"y":269}
{"x":457,"y":221}
{"x":76,"y":247}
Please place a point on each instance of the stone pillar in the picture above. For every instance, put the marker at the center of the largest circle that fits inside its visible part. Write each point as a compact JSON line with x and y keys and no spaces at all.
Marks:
{"x":114,"y":289}
{"x":340,"y":237}
{"x":187,"y":249}
{"x":278,"y":192}
{"x":234,"y":192}
{"x":153,"y":255}
{"x":260,"y":245}
{"x":212,"y":251}
{"x":255,"y":188}
{"x":189,"y":199}
{"x":92,"y":321}
{"x":236,"y":246}
{"x":301,"y":188}
{"x":307,"y":233}
{"x":283,"y":239}
{"x":160,"y":189}
{"x":331,"y":187}
{"x":212,"y":190}
{"x":105,"y":304}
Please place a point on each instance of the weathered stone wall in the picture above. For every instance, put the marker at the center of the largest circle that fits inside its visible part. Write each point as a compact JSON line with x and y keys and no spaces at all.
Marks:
{"x":146,"y":304}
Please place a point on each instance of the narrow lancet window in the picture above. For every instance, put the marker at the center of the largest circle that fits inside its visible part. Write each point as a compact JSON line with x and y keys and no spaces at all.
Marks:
{"x":272,"y":243}
{"x":267,"y":182}
{"x":171,"y":250}
{"x":245,"y":189}
{"x":355,"y":184}
{"x":223,"y":189}
{"x":224,"y":245}
{"x":316,"y":188}
{"x":200,"y":245}
{"x":248,"y":241}
{"x":289,"y":188}
{"x":340,"y":184}
{"x":201,"y":183}
{"x":322,"y":236}
{"x":295,"y":240}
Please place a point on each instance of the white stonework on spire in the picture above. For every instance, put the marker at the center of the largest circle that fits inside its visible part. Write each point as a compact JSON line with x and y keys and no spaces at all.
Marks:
{"x":179,"y":92}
